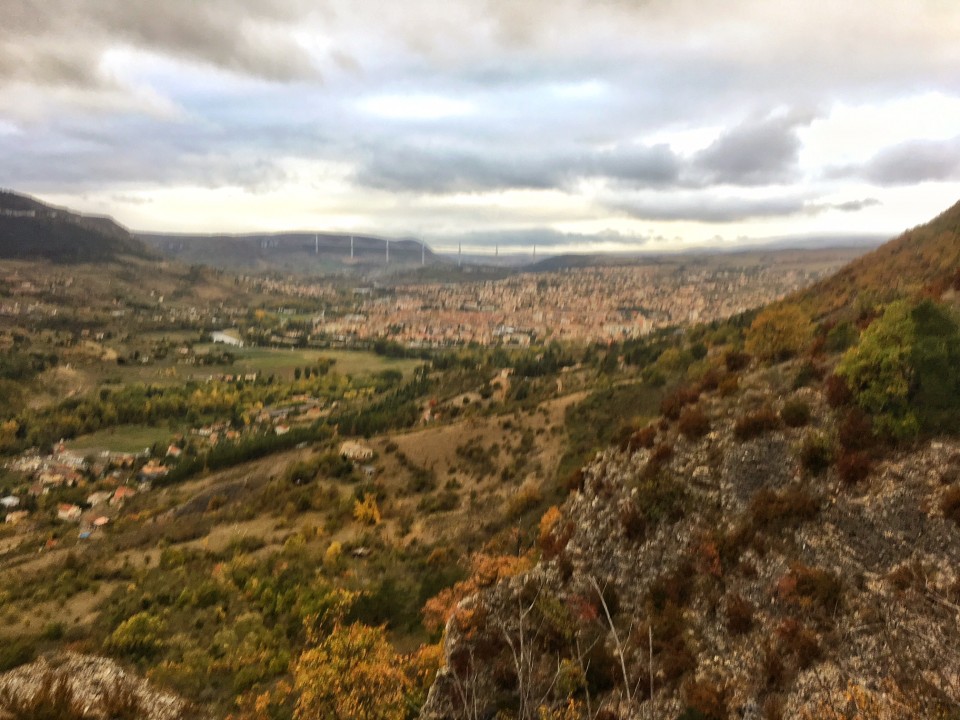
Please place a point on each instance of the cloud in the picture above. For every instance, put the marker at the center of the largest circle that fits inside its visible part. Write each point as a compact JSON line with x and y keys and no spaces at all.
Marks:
{"x":447,"y":168}
{"x":62,"y":42}
{"x":757,"y":152}
{"x":706,"y":208}
{"x":438,"y":170}
{"x":751,"y":153}
{"x":853,"y":205}
{"x":640,"y":165}
{"x":482,"y":113}
{"x":908,"y":163}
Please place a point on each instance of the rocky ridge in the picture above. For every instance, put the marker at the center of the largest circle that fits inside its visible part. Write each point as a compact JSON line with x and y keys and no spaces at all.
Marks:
{"x":764,"y":589}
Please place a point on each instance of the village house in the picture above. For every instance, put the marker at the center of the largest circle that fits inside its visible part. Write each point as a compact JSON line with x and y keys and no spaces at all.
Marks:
{"x":9,"y":502}
{"x":355,"y":451}
{"x":222,"y":337}
{"x":152,"y":471}
{"x":14,"y":517}
{"x":121,"y":494}
{"x":68,"y":513}
{"x":98,"y":498}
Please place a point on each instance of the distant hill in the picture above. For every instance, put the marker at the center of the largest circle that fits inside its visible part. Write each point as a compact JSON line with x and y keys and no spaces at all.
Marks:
{"x":924,"y":258}
{"x":32,"y":230}
{"x":297,"y":252}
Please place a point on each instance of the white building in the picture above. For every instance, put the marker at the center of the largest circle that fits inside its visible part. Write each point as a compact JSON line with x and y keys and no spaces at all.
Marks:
{"x":222,"y":337}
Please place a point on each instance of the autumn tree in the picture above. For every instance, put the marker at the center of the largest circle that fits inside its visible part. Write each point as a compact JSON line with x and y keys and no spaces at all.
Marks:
{"x":353,"y":673}
{"x":485,"y":570}
{"x":905,"y":371}
{"x":779,"y":333}
{"x":367,"y":511}
{"x":138,"y":636}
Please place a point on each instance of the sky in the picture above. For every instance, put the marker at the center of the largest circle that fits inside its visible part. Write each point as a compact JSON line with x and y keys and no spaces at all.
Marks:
{"x":603,"y":125}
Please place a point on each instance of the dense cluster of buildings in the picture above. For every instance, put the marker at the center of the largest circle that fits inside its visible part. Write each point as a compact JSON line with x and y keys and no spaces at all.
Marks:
{"x":590,"y":304}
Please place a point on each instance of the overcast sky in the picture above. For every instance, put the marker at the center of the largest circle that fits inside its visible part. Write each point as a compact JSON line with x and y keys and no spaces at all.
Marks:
{"x":604,"y":124}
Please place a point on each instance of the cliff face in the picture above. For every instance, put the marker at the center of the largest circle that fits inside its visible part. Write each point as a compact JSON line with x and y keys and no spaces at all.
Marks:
{"x":735,"y":572}
{"x":31,"y":230}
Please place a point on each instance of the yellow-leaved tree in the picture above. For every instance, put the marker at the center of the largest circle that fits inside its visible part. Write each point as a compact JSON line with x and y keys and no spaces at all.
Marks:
{"x":367,"y":511}
{"x":353,"y":673}
{"x":779,"y":332}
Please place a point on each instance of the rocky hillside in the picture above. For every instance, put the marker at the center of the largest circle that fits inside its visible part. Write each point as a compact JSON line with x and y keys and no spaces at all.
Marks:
{"x":31,"y":230}
{"x":769,"y":580}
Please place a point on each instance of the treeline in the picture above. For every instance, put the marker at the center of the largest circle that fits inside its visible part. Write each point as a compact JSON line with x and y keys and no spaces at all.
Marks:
{"x":399,"y":409}
{"x":192,"y":403}
{"x":249,"y":448}
{"x":21,"y":366}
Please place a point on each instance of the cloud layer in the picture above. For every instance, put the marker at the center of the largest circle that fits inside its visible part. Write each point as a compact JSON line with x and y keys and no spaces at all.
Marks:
{"x":669,"y":118}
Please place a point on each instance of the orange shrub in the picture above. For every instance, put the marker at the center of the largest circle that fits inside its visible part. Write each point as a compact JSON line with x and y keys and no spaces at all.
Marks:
{"x":693,"y":423}
{"x":756,"y":423}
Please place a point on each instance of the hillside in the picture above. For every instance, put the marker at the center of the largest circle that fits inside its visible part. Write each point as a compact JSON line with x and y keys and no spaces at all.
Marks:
{"x":926,"y":257}
{"x":782,"y":542}
{"x":300,"y":253}
{"x":31,"y":230}
{"x":752,"y":517}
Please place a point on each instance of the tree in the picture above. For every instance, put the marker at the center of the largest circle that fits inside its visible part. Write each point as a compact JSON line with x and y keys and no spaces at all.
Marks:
{"x":138,"y":636}
{"x":779,"y":333}
{"x":905,"y":371}
{"x":352,"y":673}
{"x":367,"y":511}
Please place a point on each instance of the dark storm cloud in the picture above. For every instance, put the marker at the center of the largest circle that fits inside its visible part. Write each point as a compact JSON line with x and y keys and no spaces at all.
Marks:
{"x":908,"y":163}
{"x":62,"y":42}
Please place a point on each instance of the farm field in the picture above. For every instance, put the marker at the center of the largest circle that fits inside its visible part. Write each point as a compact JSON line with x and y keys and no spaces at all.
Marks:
{"x":283,"y":361}
{"x":125,"y":438}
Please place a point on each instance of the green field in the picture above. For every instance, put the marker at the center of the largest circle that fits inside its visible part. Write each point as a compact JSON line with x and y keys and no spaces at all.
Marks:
{"x":282,"y":361}
{"x":128,"y":438}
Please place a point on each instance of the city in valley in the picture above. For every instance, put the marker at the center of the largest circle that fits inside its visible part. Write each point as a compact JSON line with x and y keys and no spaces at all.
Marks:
{"x":592,"y":304}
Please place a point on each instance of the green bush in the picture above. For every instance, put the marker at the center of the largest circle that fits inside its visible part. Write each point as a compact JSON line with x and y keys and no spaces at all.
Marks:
{"x":16,"y":652}
{"x":905,"y":371}
{"x":139,"y":636}
{"x":816,"y":453}
{"x":795,"y":413}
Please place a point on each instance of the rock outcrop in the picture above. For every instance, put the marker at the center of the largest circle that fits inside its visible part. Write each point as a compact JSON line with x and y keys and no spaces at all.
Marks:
{"x":91,"y":679}
{"x":730,"y":578}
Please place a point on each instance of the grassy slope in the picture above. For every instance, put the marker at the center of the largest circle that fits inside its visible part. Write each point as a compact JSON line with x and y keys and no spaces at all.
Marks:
{"x":927,"y":255}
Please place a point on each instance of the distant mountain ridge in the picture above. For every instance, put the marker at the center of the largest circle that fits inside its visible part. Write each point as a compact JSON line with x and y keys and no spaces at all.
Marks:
{"x":298,"y":252}
{"x":32,"y":230}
